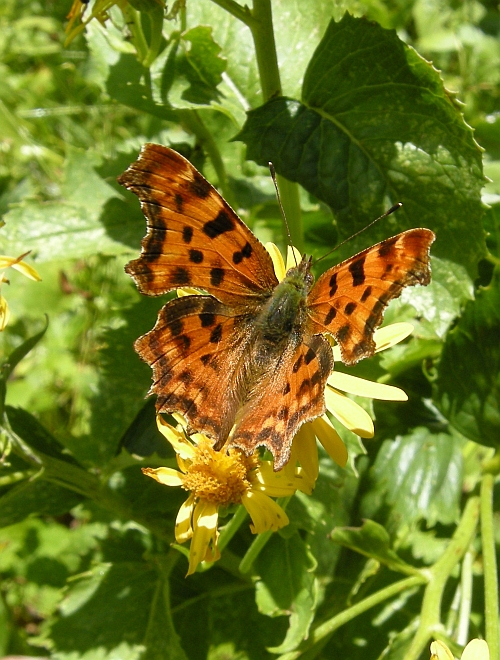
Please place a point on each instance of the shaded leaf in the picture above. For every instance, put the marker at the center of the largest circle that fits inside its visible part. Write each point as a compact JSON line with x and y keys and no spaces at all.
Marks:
{"x":467,"y":389}
{"x":287,"y":586}
{"x":373,"y":541}
{"x":375,"y":126}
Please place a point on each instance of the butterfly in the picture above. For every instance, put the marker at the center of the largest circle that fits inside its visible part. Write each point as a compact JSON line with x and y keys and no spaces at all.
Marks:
{"x":247,"y":360}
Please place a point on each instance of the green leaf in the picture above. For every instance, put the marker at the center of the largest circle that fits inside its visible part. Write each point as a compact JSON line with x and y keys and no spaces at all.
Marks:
{"x":373,"y":541}
{"x":467,"y":389}
{"x":287,"y":586}
{"x":416,"y":476}
{"x":202,"y":65}
{"x":70,"y":228}
{"x":126,"y":84}
{"x":13,"y":360}
{"x":35,"y":435}
{"x":35,"y":497}
{"x":89,"y":627}
{"x":375,"y":126}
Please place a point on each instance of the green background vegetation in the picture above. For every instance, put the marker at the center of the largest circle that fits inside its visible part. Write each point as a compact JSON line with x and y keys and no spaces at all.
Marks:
{"x":387,"y":553}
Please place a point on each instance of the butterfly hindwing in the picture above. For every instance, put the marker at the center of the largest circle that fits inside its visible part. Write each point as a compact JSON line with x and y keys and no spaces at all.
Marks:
{"x":290,"y":394}
{"x":194,"y":238}
{"x":349,"y":300}
{"x":196,"y":350}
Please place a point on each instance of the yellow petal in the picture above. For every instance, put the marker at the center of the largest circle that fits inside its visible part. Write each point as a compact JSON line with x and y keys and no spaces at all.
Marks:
{"x":362,"y":387}
{"x":384,"y":338}
{"x":277,"y":259}
{"x":440,"y":651}
{"x":205,"y":518}
{"x":349,"y":414}
{"x":183,"y":526}
{"x":181,"y":445}
{"x":331,"y":440}
{"x":390,"y":335}
{"x":18,"y":264}
{"x":4,"y":313}
{"x":274,"y":484}
{"x":265,"y":513}
{"x":477,"y":649}
{"x":164,"y":475}
{"x":306,"y":451}
{"x":187,"y":291}
{"x":293,"y":258}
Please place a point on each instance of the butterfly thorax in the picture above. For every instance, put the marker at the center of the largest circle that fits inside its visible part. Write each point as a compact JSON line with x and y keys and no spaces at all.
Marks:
{"x":284,"y":313}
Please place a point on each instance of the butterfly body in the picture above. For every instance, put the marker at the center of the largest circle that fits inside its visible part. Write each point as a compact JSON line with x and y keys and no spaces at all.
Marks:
{"x":248,"y":362}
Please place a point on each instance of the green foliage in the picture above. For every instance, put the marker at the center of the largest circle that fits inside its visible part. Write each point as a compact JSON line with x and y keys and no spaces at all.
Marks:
{"x":384,"y":552}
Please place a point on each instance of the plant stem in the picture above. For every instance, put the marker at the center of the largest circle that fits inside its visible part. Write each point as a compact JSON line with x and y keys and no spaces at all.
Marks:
{"x":430,"y":619}
{"x":320,"y":634}
{"x":267,"y":63}
{"x":229,"y":530}
{"x":489,"y":565}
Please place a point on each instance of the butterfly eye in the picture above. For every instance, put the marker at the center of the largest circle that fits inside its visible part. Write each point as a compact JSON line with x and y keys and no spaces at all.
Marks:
{"x":309,"y":279}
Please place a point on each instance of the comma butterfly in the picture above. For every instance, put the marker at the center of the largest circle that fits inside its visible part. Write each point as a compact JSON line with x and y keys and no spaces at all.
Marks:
{"x":248,"y":361}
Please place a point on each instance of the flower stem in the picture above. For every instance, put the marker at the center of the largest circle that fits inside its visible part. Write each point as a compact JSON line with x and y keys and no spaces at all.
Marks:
{"x":430,"y":619}
{"x":229,"y":530}
{"x":320,"y":635}
{"x":489,"y":565}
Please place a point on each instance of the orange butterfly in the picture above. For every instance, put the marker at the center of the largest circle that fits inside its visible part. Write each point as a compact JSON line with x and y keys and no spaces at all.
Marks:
{"x":248,"y":362}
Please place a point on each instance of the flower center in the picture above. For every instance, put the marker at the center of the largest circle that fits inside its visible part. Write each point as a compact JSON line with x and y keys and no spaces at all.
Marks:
{"x":217,"y":476}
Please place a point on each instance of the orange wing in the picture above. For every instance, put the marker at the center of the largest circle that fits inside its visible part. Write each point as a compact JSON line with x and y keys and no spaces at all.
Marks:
{"x":348,"y":301}
{"x":194,"y":238}
{"x":197,"y":350}
{"x":291,"y":393}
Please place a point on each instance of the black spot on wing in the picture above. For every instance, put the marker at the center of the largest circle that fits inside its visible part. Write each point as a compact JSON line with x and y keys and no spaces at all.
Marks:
{"x":333,"y":285}
{"x":310,"y":355}
{"x":199,"y":186}
{"x":176,"y":327}
{"x":180,"y":276}
{"x":244,"y":253}
{"x":196,"y":256}
{"x":179,"y":201}
{"x":387,"y":247}
{"x":206,"y":319}
{"x":298,"y":364}
{"x":366,"y":294}
{"x":357,"y":270}
{"x":216,"y":334}
{"x":332,"y":313}
{"x":187,"y":234}
{"x":216,"y":276}
{"x":350,"y":308}
{"x":219,"y":225}
{"x":343,"y":332}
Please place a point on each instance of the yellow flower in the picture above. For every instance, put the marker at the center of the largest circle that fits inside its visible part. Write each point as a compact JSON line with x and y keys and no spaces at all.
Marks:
{"x":217,"y":479}
{"x":477,"y":649}
{"x":18,"y":264}
{"x":345,"y":410}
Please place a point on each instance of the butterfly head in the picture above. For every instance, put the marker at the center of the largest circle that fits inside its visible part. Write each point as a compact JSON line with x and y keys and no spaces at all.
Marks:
{"x":301,"y":274}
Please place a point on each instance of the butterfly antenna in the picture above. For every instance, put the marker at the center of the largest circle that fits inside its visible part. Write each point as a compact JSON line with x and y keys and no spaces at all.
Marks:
{"x":273,"y":177}
{"x":384,"y":215}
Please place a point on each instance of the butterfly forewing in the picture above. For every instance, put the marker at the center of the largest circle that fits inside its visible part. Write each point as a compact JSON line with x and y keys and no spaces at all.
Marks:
{"x":348,"y":300}
{"x":194,"y":238}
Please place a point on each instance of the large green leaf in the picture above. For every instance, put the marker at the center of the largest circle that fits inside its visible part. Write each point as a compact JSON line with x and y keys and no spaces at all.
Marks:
{"x":69,"y":228}
{"x":287,"y":585}
{"x":416,"y":476}
{"x":467,"y":389}
{"x":375,"y":126}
